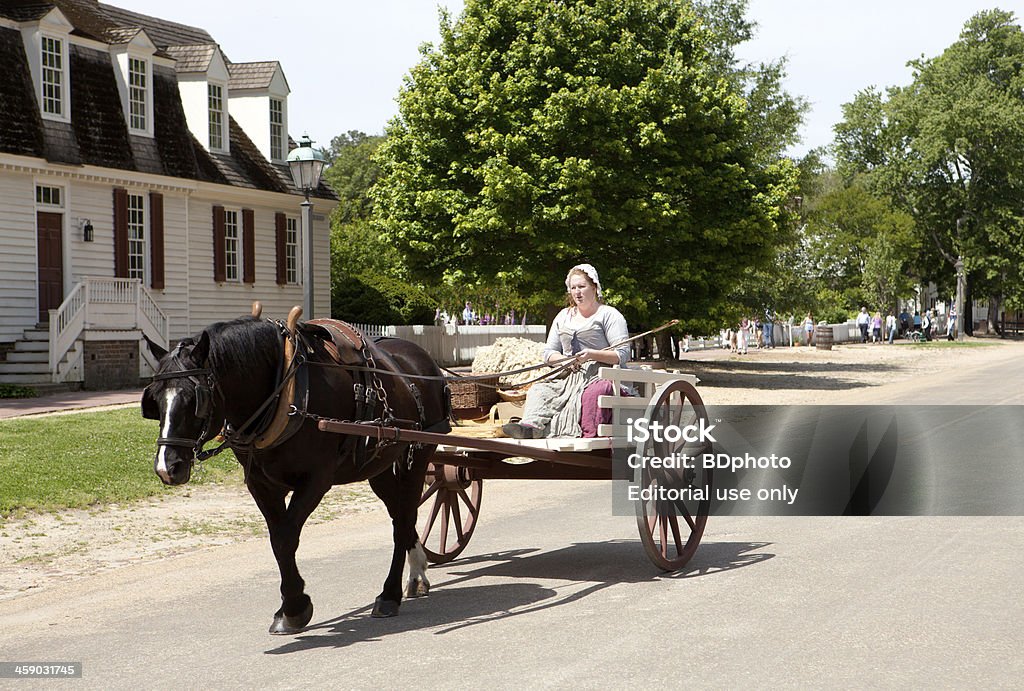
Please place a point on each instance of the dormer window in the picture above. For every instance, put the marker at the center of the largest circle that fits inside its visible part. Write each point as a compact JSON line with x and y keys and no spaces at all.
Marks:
{"x":54,"y":77}
{"x":48,"y":50}
{"x":132,"y":57}
{"x":215,"y":100}
{"x":276,"y":129}
{"x":257,"y":96}
{"x":138,"y":94}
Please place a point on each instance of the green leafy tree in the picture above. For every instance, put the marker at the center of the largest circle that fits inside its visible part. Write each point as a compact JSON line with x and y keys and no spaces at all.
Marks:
{"x":788,"y":286}
{"x":540,"y":134}
{"x":352,"y":173}
{"x":368,"y":283}
{"x":860,"y":247}
{"x":949,"y":149}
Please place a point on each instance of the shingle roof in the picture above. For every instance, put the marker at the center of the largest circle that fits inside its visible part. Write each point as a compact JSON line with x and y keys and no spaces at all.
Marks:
{"x":85,"y":16}
{"x":122,"y":34}
{"x":245,"y":166}
{"x":22,"y":131}
{"x":162,"y":32}
{"x":98,"y":123}
{"x":252,"y":75}
{"x":192,"y":58}
{"x":24,"y":10}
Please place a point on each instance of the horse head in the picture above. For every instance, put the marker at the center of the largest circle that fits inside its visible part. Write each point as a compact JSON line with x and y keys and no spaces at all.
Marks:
{"x":181,"y":396}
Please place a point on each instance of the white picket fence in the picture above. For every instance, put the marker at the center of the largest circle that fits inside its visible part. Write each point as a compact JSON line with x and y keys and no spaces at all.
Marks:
{"x":453,"y":344}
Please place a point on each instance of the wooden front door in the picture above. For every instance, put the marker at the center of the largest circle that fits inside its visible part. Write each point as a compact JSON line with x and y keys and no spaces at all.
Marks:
{"x":51,"y":262}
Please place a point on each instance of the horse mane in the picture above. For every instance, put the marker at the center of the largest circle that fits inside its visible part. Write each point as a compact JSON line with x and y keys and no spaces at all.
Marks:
{"x":243,"y":344}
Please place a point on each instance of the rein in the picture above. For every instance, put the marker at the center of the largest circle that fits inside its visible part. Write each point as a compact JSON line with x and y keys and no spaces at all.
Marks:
{"x":206,"y":390}
{"x":568,"y":364}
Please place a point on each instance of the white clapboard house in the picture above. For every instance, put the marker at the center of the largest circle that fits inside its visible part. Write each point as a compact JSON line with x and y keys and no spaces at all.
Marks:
{"x":144,"y":190}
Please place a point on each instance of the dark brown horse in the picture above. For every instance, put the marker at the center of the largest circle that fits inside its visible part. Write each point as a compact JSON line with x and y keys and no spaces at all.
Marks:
{"x":230,"y":378}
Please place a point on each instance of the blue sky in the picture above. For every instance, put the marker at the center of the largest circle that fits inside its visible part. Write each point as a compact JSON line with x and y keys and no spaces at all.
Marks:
{"x":345,"y":60}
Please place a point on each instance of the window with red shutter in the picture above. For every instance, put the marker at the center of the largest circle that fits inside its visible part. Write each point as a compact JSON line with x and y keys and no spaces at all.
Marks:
{"x":120,"y":232}
{"x":156,"y":240}
{"x":219,"y":265}
{"x":248,"y":246}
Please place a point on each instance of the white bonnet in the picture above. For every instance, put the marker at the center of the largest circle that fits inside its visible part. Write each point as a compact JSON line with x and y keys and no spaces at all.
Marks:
{"x":591,"y":273}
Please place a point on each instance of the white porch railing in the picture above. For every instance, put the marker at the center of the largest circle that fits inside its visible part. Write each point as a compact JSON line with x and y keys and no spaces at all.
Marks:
{"x":118,"y":304}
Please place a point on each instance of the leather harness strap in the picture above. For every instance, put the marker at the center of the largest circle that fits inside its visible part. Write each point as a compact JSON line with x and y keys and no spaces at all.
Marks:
{"x":279,"y":422}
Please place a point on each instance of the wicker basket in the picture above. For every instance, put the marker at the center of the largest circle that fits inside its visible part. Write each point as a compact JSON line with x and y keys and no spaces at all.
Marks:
{"x":513,"y":395}
{"x":480,"y":393}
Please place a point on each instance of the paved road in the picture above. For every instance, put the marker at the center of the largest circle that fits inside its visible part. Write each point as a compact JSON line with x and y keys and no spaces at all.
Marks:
{"x":555,"y":591}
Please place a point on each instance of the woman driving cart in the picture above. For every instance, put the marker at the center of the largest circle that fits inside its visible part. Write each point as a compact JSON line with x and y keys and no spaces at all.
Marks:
{"x":582,"y":333}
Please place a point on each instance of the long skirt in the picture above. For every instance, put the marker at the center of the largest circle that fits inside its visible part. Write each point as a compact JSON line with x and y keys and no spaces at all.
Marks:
{"x":557,"y":405}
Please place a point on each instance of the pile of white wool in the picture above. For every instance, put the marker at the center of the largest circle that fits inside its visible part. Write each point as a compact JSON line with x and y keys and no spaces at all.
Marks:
{"x":510,"y":354}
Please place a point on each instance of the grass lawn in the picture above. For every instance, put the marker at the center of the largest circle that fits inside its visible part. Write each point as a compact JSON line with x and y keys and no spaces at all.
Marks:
{"x":75,"y":461}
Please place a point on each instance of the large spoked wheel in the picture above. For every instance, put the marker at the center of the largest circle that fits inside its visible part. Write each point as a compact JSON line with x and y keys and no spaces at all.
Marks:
{"x":448,"y":511}
{"x":675,"y":502}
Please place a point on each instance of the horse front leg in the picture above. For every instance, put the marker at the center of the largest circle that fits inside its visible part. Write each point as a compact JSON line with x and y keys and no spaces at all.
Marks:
{"x":401,"y":495}
{"x":284,"y":524}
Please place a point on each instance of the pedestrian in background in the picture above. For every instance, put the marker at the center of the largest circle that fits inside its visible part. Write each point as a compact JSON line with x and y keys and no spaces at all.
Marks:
{"x":742,"y":335}
{"x":768,"y":326}
{"x":863,"y":320}
{"x":890,"y":326}
{"x":809,"y":328}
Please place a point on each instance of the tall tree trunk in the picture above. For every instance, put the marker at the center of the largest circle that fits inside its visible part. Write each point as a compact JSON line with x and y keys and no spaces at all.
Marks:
{"x":664,"y":345}
{"x":994,"y":305}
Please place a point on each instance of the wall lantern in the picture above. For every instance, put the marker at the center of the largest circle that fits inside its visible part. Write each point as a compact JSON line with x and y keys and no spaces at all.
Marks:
{"x":87,"y":233}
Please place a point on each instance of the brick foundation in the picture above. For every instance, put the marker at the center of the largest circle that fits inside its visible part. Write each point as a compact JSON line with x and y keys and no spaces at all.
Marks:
{"x":111,"y":365}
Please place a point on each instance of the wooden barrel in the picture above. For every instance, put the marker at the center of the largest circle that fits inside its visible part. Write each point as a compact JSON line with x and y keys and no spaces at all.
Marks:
{"x":823,"y":336}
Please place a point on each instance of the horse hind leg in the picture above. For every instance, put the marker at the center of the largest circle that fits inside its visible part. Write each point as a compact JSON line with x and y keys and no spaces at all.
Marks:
{"x":418,"y":585}
{"x":386,"y":487}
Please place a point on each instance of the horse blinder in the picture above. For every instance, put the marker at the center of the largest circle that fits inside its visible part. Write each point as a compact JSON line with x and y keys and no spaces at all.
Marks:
{"x":150,"y":408}
{"x":203,"y":396}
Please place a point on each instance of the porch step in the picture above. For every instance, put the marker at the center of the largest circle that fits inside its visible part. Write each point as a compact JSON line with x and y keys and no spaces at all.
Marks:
{"x":32,"y":347}
{"x":28,"y":362}
{"x":36,"y":335}
{"x":30,"y":354}
{"x":33,"y":380}
{"x":25,"y":367}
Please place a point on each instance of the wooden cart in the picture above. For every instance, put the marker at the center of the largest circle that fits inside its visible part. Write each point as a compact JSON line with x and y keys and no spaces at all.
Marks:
{"x":670,"y":531}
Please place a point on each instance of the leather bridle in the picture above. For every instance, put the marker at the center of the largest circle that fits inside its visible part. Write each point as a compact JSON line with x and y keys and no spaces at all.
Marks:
{"x":205,"y":387}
